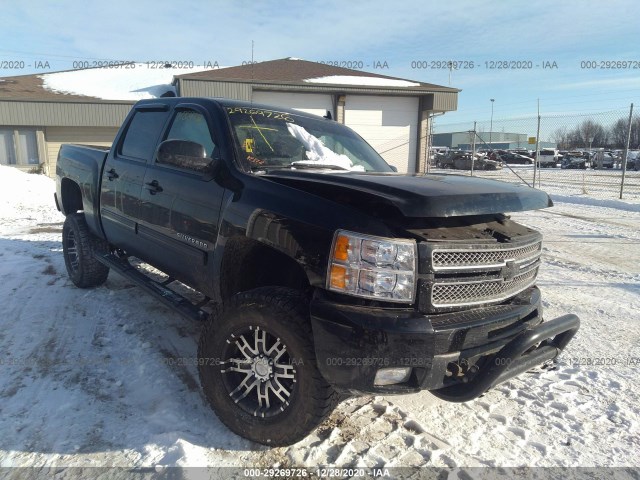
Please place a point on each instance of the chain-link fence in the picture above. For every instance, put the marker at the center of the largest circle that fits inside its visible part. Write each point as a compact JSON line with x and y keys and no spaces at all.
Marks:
{"x":577,"y":154}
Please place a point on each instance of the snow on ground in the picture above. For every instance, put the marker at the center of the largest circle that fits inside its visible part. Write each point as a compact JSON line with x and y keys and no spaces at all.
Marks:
{"x":91,"y":377}
{"x":134,"y":81}
{"x":576,"y":185}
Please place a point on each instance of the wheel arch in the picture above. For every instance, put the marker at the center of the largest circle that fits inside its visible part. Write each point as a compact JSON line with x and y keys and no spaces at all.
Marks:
{"x":248,"y":263}
{"x":70,"y":197}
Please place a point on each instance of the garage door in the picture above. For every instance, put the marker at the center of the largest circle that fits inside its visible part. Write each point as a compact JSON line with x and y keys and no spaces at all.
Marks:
{"x":56,"y":136}
{"x":315,"y":103}
{"x":389,"y":124}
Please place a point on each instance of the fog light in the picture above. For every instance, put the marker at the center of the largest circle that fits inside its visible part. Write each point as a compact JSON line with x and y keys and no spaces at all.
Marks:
{"x":391,"y":376}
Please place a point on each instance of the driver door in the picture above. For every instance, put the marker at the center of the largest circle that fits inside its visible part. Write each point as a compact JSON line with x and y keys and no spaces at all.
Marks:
{"x":179,"y":210}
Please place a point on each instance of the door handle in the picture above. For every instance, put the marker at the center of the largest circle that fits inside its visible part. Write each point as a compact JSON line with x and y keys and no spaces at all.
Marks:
{"x":154,"y":187}
{"x":111,"y":174}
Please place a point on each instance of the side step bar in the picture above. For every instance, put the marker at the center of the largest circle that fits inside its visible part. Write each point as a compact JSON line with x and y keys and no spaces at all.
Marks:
{"x":159,"y":290}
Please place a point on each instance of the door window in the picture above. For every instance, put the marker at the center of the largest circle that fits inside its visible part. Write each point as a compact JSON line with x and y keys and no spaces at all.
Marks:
{"x":192,"y":126}
{"x":142,"y":135}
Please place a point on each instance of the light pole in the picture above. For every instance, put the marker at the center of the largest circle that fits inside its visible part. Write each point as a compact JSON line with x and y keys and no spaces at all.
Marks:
{"x":491,"y":125}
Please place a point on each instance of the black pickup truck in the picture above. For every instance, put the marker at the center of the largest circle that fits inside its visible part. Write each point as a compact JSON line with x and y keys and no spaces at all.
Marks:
{"x":322,"y":272}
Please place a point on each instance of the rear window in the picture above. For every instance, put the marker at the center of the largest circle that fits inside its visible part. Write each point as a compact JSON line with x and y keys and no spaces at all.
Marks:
{"x":142,"y":135}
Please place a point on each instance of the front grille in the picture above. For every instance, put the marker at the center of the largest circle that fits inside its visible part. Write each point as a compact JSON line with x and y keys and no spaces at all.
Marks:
{"x":461,"y":293}
{"x":465,"y":259}
{"x":465,"y":274}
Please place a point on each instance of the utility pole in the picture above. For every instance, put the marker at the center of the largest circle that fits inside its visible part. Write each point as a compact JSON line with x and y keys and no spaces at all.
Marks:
{"x":473,"y":148}
{"x":626,"y":152}
{"x":491,"y":124}
{"x":537,"y":160}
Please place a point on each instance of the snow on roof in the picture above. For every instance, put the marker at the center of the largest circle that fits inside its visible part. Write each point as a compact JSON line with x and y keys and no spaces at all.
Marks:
{"x":116,"y":83}
{"x":368,"y":81}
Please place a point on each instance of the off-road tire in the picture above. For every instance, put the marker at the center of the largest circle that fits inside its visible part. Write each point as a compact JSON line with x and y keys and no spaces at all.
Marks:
{"x":283,"y":313}
{"x":79,"y":246}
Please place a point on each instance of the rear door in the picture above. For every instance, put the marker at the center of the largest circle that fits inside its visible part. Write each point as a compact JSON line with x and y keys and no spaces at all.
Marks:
{"x":123,"y":175}
{"x":180,"y":209}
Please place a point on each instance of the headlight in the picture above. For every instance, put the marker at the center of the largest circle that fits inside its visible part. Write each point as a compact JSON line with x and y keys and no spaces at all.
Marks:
{"x":373,"y":267}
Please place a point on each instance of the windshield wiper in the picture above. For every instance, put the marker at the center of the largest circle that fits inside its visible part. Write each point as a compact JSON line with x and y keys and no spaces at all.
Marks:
{"x":318,"y":165}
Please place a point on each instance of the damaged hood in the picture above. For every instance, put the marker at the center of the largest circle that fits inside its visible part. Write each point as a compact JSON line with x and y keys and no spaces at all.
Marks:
{"x":419,"y":195}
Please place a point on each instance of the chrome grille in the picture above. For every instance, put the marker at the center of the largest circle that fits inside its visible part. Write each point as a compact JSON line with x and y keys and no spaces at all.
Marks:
{"x":469,"y":259}
{"x":457,"y":294}
{"x":479,"y":274}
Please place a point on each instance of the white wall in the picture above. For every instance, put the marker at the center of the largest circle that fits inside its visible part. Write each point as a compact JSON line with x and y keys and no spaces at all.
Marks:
{"x":389,"y":124}
{"x":314,"y":103}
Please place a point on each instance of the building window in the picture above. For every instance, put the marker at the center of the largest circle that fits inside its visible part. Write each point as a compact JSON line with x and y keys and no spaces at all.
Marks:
{"x":7,"y":150}
{"x":18,"y":147}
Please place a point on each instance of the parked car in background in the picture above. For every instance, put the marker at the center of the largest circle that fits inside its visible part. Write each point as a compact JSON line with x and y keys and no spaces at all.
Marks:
{"x":603,"y":160}
{"x":549,"y":157}
{"x":445,"y":161}
{"x":574,"y":162}
{"x":516,"y":158}
{"x":633,"y":161}
{"x":462,"y":161}
{"x":524,"y":151}
{"x":496,"y":154}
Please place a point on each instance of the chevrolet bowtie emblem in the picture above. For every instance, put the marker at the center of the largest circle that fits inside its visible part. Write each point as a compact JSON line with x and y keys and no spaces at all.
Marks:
{"x":510,"y":270}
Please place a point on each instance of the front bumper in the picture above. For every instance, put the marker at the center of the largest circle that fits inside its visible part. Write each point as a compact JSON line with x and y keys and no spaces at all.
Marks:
{"x":457,"y":355}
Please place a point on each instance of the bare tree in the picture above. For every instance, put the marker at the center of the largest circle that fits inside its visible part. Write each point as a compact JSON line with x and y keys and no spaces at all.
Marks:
{"x":635,"y":133}
{"x":561,"y":137}
{"x":618,"y":133}
{"x":592,"y":133}
{"x":588,"y":134}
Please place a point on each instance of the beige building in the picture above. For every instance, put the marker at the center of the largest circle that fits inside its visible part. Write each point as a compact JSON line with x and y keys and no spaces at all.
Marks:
{"x":392,"y":114}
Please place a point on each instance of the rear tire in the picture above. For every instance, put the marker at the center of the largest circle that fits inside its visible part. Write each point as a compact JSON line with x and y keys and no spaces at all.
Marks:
{"x":258,"y":368}
{"x":78,"y":247}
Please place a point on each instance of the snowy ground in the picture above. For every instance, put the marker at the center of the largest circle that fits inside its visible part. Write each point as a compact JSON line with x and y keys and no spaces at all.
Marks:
{"x":88,"y":377}
{"x":598,"y":183}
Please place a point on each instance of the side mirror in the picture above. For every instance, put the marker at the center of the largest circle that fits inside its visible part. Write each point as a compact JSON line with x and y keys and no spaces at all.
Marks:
{"x":394,"y":168}
{"x":184,"y":154}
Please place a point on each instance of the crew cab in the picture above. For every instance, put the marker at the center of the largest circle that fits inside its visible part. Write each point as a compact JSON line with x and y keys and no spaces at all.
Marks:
{"x":322,"y":273}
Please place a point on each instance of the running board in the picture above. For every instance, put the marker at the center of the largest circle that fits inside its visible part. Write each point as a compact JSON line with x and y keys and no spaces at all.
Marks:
{"x":167,"y":296}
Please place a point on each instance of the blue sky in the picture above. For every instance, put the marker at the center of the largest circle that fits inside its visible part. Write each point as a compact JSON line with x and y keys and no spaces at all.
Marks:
{"x":364,"y":32}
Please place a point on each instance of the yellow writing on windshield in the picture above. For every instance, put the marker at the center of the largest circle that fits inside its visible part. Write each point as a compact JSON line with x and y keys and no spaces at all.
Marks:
{"x":265,"y":113}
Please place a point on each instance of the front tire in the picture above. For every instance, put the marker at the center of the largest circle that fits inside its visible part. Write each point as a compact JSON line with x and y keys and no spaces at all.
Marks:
{"x":79,"y":246}
{"x":258,"y":368}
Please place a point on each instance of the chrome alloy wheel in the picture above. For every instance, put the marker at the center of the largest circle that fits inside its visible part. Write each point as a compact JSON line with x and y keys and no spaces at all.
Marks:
{"x":259,"y":374}
{"x":72,"y":251}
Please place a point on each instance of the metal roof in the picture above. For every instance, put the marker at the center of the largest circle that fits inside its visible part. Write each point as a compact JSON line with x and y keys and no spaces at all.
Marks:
{"x":294,"y":73}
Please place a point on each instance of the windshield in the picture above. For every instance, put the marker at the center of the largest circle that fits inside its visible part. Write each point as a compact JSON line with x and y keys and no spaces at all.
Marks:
{"x":268,"y":139}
